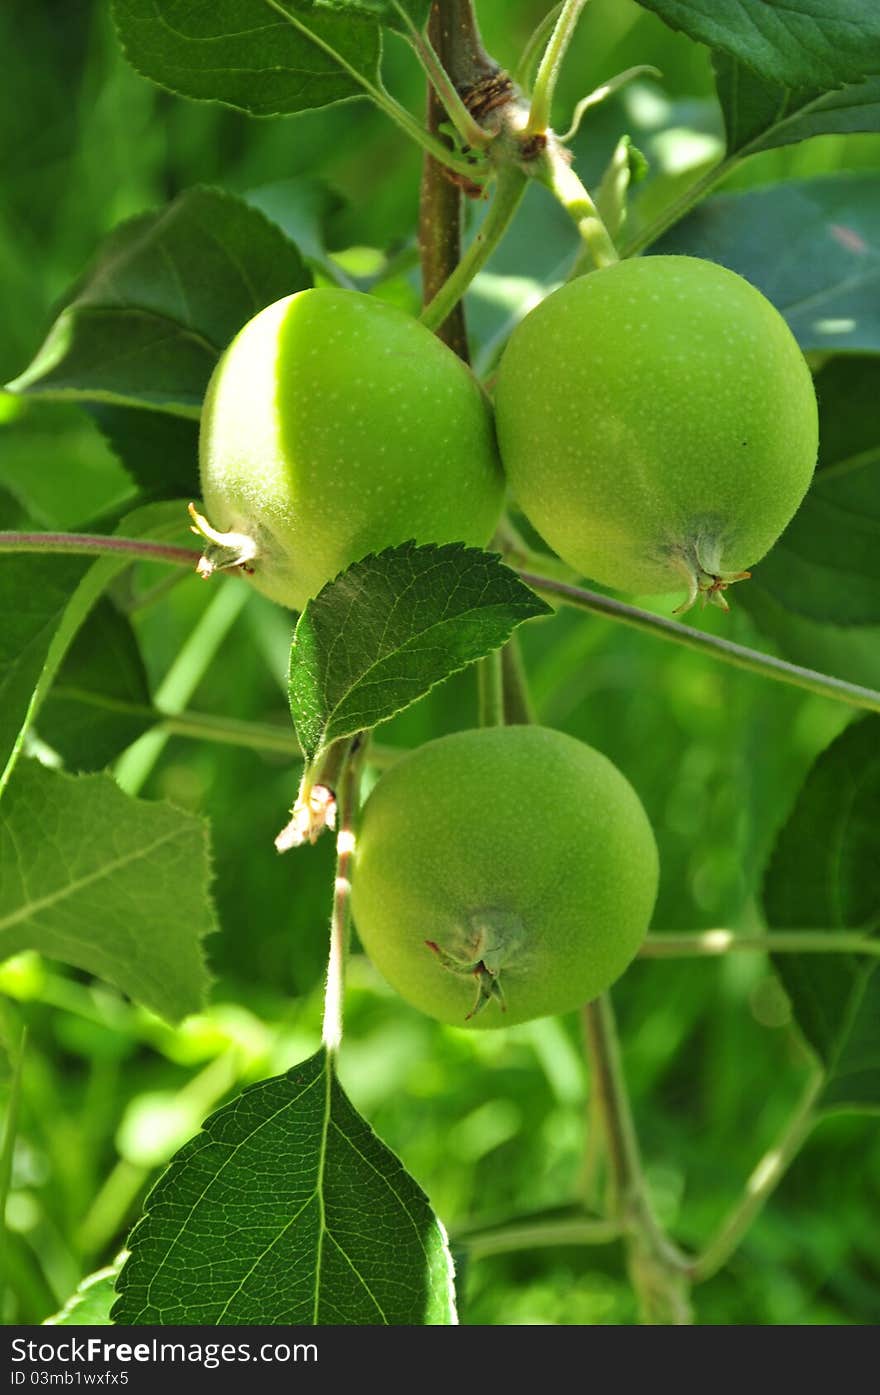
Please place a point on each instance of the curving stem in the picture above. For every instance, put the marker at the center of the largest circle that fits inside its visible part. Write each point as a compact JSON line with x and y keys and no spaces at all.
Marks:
{"x":658,"y":1269}
{"x":509,"y":189}
{"x":548,"y":70}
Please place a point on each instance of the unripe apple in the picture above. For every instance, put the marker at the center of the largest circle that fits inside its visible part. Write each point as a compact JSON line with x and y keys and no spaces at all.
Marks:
{"x":334,"y":426}
{"x":658,"y":424}
{"x":503,"y":874}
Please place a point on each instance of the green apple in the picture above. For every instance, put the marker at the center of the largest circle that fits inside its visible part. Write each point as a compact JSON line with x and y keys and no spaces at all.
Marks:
{"x":503,"y":874}
{"x":658,"y":424}
{"x":334,"y":426}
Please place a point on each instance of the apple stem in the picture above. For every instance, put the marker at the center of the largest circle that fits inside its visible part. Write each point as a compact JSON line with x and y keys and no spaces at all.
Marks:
{"x":552,"y":168}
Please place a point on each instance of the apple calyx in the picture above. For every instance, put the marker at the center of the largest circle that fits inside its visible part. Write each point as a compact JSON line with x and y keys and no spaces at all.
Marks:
{"x":481,"y":952}
{"x":700,"y":565}
{"x":224,"y":551}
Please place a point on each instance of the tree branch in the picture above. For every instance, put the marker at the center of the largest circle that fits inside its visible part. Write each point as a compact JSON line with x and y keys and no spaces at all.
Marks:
{"x":440,"y":205}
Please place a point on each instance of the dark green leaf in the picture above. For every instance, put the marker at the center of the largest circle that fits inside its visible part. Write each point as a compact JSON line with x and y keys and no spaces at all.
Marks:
{"x":44,"y":599}
{"x":811,"y":246}
{"x":287,"y":1209}
{"x":269,"y":59}
{"x":760,"y":114}
{"x":12,"y":512}
{"x":35,"y":591}
{"x":391,"y":627}
{"x":160,"y":451}
{"x":113,"y":885}
{"x":848,"y":389}
{"x":100,"y":702}
{"x":800,"y":43}
{"x":165,"y":296}
{"x":827,"y":563}
{"x":825,"y":874}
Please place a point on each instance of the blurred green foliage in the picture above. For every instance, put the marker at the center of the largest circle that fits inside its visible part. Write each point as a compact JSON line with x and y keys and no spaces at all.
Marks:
{"x":493,"y":1124}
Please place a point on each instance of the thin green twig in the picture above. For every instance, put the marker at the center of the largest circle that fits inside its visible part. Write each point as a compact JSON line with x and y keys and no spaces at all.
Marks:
{"x":99,"y":544}
{"x":552,"y":169}
{"x":274,"y":739}
{"x":535,"y":46}
{"x":761,"y":1185}
{"x":658,"y":1269}
{"x":468,"y":129}
{"x":728,"y":652}
{"x":7,"y":1151}
{"x":348,"y":808}
{"x":675,"y":211}
{"x":716,"y":942}
{"x":509,"y":189}
{"x":383,"y":99}
{"x":548,"y":71}
{"x":490,"y":690}
{"x":509,"y":1239}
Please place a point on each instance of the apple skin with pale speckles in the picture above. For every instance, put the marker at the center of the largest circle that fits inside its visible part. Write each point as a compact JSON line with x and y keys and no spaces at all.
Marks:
{"x":334,"y":426}
{"x":657,"y":423}
{"x":518,"y":856}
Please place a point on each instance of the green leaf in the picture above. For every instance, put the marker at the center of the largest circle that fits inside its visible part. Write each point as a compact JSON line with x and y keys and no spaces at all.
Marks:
{"x":160,"y":451}
{"x":53,"y":459}
{"x":810,"y":245}
{"x":264,"y":56}
{"x":100,"y":701}
{"x":164,"y":297}
{"x":301,"y":207}
{"x":12,"y":512}
{"x":391,"y":627}
{"x":761,"y":115}
{"x":825,"y":874}
{"x":826,"y":565}
{"x":44,"y":599}
{"x":800,"y":43}
{"x":90,"y":1305}
{"x":35,"y":592}
{"x":287,"y":1209}
{"x":110,"y":884}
